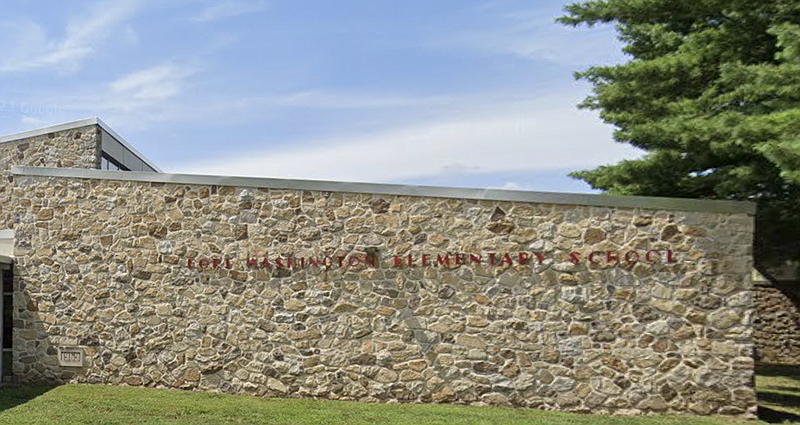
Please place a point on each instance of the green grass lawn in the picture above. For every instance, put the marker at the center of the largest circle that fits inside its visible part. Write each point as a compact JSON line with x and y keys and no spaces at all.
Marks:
{"x":779,"y":392}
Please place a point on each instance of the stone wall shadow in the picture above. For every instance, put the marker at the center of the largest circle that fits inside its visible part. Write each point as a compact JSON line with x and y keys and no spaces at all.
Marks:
{"x":776,"y":416}
{"x":30,"y":329}
{"x":13,"y":395}
{"x":785,"y":371}
{"x":777,"y":322}
{"x":785,"y":395}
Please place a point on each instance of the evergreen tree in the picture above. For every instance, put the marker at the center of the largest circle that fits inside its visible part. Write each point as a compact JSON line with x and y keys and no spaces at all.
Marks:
{"x":711,"y":93}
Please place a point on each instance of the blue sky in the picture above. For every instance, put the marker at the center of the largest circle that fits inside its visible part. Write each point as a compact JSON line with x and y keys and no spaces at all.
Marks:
{"x":446,"y":92}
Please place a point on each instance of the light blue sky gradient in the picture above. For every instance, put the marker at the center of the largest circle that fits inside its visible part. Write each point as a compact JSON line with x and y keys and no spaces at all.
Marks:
{"x":446,"y":92}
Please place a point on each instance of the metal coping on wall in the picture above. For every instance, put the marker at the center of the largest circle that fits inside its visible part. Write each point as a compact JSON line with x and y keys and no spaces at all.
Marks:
{"x":77,"y":124}
{"x":645,"y":202}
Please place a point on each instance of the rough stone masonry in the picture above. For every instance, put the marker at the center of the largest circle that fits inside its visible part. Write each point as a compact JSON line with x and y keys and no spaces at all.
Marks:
{"x":102,"y":263}
{"x":76,"y":148}
{"x":776,"y":328}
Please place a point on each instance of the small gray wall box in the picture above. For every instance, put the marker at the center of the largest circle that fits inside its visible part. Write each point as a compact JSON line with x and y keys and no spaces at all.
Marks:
{"x":70,"y":356}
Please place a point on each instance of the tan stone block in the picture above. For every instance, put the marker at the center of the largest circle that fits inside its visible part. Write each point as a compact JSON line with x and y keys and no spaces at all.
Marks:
{"x":294,"y":304}
{"x":417,"y":365}
{"x":386,"y":376}
{"x":477,"y":321}
{"x":471,"y":341}
{"x":45,"y":214}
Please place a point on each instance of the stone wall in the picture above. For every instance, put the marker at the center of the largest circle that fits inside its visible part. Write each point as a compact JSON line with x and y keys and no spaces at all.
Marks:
{"x":776,"y":330}
{"x":103,"y":264}
{"x":75,"y":148}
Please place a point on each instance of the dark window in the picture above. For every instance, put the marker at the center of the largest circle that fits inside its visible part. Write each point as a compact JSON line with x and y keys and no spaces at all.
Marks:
{"x":109,"y":163}
{"x":8,"y":321}
{"x":8,"y":282}
{"x":7,"y":364}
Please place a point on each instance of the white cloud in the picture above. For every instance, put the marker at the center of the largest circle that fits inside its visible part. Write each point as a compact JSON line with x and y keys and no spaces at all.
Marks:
{"x":27,"y":45}
{"x":23,"y":37}
{"x":131,"y":36}
{"x":133,"y":100}
{"x":566,"y":46}
{"x":28,"y":121}
{"x":542,"y":135}
{"x":513,"y":186}
{"x":338,"y":100}
{"x":229,"y":8}
{"x":533,"y":34}
{"x":151,"y":84}
{"x":157,"y":93}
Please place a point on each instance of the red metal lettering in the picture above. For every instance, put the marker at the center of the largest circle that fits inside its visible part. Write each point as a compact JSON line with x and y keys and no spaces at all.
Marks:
{"x":628,"y":257}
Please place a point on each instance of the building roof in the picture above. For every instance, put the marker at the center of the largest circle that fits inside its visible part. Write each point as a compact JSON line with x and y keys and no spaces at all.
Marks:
{"x":108,"y":131}
{"x":139,"y":174}
{"x":644,"y":202}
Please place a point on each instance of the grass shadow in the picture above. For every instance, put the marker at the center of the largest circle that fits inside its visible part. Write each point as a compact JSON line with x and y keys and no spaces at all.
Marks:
{"x":788,"y":400}
{"x":779,"y":389}
{"x":12,"y":396}
{"x":784,"y":371}
{"x":782,"y":389}
{"x":773,"y":416}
